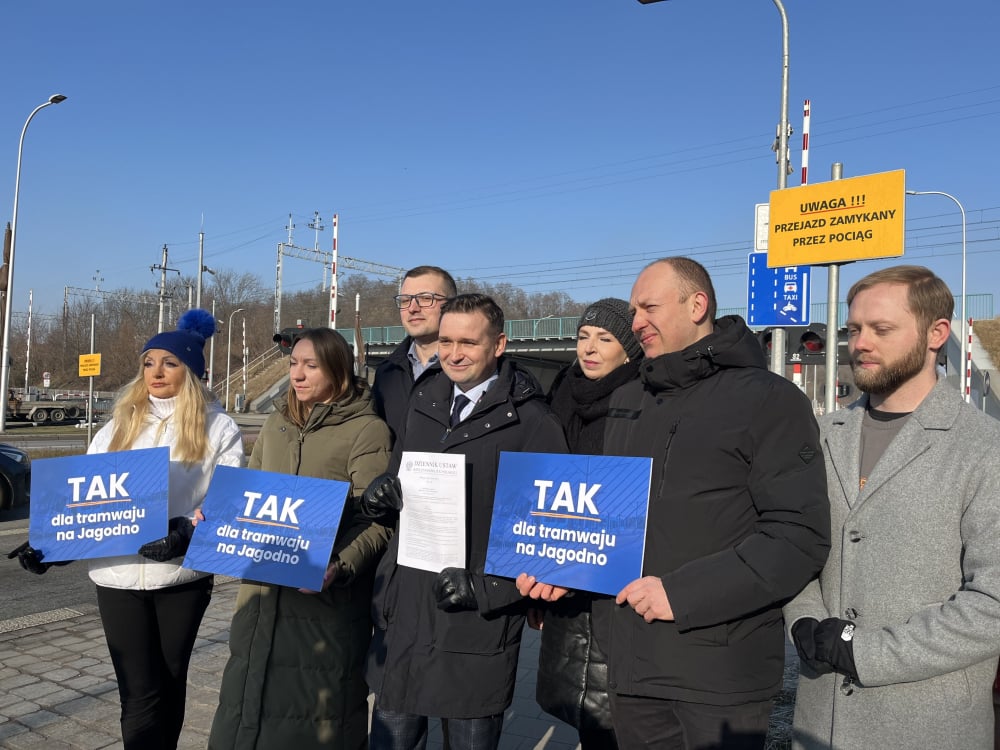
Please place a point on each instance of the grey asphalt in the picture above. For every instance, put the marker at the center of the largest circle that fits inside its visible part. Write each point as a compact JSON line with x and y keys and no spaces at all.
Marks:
{"x":58,"y":689}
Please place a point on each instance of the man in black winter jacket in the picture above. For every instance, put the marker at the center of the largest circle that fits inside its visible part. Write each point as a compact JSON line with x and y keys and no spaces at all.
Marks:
{"x":446,"y":644}
{"x":421,"y":295}
{"x":738,"y":522}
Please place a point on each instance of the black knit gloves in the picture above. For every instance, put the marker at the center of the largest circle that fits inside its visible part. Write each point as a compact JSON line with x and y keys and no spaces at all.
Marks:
{"x":826,"y":646}
{"x":174,"y":544}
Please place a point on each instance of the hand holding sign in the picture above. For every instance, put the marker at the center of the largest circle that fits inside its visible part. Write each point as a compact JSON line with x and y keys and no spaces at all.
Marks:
{"x":569,"y":522}
{"x":270,"y":527}
{"x":533,"y":589}
{"x":29,"y":558}
{"x":174,"y":544}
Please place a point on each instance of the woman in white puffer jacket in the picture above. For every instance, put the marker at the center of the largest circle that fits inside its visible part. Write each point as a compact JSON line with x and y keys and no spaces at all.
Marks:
{"x":150,"y":606}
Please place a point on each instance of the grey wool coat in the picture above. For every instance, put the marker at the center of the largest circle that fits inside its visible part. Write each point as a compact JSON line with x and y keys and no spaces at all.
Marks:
{"x":915,"y":563}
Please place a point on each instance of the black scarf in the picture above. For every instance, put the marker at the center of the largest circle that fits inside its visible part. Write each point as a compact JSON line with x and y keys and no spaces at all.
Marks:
{"x":581,"y":404}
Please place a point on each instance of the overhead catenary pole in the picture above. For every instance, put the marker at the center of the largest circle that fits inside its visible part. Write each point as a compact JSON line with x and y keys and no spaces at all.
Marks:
{"x":317,"y":226}
{"x":162,"y":268}
{"x":201,"y":267}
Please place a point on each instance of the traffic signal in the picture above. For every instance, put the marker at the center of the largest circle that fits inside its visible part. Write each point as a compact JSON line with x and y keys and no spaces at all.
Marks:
{"x":764,"y":338}
{"x":286,"y":339}
{"x":806,"y":344}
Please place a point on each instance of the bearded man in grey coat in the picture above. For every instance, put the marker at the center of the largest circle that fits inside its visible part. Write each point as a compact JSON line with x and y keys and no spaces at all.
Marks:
{"x":898,"y":638}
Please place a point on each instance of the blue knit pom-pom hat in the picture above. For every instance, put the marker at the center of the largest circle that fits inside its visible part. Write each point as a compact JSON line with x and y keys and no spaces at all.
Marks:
{"x":187,"y":343}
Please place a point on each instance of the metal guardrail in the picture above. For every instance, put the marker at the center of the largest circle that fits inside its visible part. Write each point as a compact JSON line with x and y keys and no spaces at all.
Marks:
{"x":516,"y":330}
{"x":978,"y":306}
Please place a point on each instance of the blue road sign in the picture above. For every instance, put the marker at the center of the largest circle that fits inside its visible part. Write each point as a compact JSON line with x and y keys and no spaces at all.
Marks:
{"x":776,"y":296}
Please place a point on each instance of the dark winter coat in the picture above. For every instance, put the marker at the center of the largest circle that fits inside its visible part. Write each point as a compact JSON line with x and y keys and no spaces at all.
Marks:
{"x":294,"y":677}
{"x":393,"y":384}
{"x":738,"y":522}
{"x":463,"y":664}
{"x":572,"y":682}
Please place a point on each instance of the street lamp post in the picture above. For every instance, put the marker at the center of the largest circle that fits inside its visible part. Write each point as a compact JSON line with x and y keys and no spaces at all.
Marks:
{"x":229,"y":351}
{"x":5,"y":364}
{"x":781,"y":144}
{"x":965,"y":320}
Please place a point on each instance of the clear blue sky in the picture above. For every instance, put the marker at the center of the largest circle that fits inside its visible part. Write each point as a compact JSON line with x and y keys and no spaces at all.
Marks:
{"x":555,"y":144}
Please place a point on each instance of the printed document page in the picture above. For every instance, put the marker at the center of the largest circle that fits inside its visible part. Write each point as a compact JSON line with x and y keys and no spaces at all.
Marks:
{"x":432,"y":522}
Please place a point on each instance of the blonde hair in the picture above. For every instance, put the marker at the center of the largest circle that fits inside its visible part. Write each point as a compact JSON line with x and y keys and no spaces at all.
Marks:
{"x":190,"y":417}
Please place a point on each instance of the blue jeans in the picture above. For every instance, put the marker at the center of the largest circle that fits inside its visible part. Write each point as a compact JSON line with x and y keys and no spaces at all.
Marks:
{"x":399,"y":731}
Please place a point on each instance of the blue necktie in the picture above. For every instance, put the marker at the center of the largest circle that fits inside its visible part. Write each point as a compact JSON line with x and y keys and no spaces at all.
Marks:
{"x":461,"y":402}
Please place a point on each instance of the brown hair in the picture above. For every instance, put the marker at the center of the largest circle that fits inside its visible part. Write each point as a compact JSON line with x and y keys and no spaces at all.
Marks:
{"x":467,"y":303}
{"x":449,"y":283}
{"x":333,"y":355}
{"x":928,"y":297}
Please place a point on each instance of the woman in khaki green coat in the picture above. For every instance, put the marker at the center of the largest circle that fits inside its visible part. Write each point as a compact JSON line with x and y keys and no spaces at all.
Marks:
{"x":294,"y":676}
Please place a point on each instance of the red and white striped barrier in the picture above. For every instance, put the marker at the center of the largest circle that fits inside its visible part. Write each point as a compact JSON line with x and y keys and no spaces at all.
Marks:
{"x":967,"y":383}
{"x":805,"y":142}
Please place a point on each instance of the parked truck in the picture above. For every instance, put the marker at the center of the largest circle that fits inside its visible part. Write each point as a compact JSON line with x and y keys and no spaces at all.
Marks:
{"x":45,"y":411}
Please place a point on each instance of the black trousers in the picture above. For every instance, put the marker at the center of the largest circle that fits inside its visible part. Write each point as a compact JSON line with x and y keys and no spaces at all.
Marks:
{"x":150,"y":636}
{"x":642,"y":722}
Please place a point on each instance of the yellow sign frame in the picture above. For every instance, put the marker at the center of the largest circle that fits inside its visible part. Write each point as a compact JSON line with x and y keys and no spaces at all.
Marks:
{"x":858,"y":218}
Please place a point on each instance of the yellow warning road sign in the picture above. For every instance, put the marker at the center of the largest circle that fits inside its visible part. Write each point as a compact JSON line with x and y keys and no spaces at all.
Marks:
{"x":833,"y":222}
{"x":90,"y":365}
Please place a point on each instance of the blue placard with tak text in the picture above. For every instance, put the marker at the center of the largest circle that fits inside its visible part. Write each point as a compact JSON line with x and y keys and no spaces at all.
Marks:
{"x":98,"y":505}
{"x":570,"y":520}
{"x":269,"y":527}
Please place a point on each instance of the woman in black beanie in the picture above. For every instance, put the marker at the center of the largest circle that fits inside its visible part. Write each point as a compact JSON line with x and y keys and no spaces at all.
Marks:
{"x":572,"y":668}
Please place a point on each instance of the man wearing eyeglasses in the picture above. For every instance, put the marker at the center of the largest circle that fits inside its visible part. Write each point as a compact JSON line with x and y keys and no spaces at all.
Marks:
{"x":420,"y":297}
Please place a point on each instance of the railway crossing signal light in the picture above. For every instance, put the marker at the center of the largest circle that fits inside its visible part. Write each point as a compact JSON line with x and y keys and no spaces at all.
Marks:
{"x":764,"y":337}
{"x":286,"y":338}
{"x":806,"y":344}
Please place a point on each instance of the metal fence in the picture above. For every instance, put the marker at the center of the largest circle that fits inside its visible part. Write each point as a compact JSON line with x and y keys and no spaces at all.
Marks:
{"x":978,"y":307}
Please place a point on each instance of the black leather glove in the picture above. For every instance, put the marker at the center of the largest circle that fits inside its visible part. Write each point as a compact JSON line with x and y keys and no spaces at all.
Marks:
{"x":383,"y":497}
{"x":31,"y":559}
{"x":174,"y":544}
{"x":453,"y":590}
{"x":826,"y":646}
